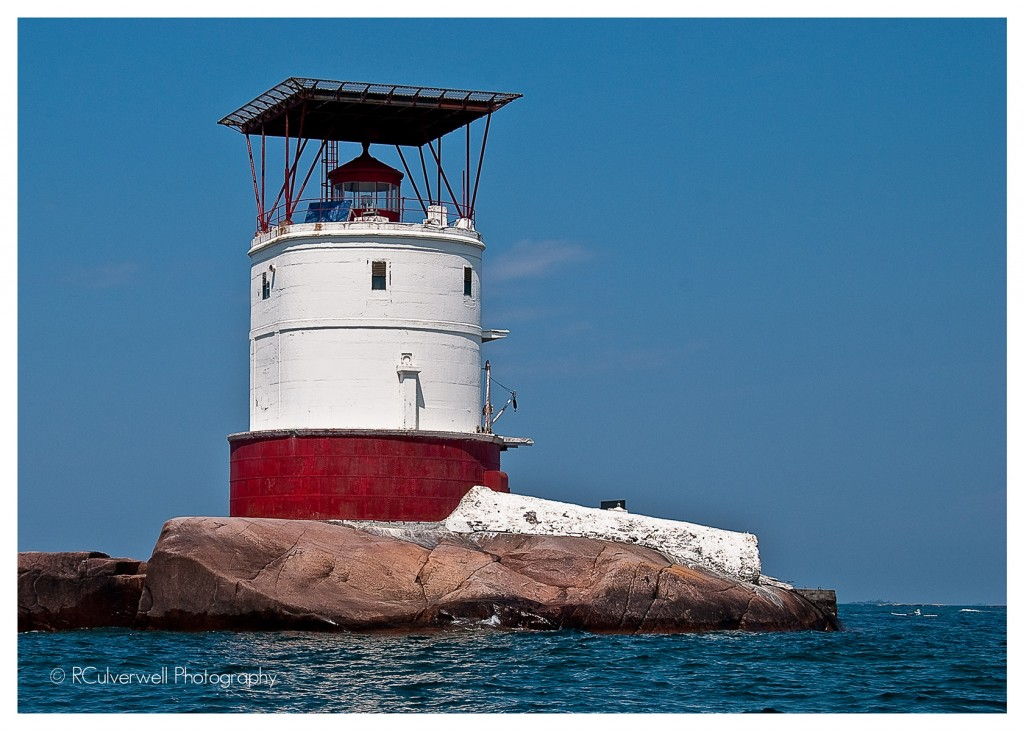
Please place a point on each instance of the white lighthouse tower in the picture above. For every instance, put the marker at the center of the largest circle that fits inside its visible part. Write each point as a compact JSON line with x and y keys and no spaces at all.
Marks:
{"x":366,"y":375}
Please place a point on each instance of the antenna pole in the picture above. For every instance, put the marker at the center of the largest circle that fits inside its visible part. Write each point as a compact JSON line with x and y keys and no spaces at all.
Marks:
{"x":487,"y":398}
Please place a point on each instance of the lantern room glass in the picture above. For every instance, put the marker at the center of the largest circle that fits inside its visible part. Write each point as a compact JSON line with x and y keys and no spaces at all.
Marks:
{"x":363,"y":196}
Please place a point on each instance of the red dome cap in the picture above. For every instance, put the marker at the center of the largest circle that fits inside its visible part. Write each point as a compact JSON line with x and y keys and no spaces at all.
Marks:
{"x":365,"y":169}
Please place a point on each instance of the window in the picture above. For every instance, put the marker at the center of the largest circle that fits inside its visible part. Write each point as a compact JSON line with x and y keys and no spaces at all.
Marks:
{"x":363,"y":196}
{"x":379,"y":275}
{"x":266,"y":287}
{"x":467,"y":281}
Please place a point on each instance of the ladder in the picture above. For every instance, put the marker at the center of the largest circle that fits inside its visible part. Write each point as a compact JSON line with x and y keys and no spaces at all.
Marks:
{"x":329,"y":162}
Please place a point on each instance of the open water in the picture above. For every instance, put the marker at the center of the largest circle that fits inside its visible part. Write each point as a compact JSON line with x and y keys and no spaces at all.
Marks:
{"x":887,"y":659}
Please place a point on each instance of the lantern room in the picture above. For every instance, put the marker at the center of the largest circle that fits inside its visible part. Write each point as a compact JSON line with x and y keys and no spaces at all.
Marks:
{"x":322,"y":115}
{"x":368,"y":187}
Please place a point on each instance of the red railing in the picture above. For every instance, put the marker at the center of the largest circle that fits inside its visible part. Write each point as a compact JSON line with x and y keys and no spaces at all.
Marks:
{"x":319,"y":210}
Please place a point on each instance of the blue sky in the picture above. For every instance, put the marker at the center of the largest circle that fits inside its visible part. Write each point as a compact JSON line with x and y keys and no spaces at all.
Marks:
{"x":754,"y":273}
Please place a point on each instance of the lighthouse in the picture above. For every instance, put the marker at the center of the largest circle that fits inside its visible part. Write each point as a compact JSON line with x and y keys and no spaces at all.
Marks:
{"x":369,"y":387}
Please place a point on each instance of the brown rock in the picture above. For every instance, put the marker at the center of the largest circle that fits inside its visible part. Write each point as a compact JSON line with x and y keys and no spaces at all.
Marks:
{"x":77,"y":589}
{"x":261,"y":573}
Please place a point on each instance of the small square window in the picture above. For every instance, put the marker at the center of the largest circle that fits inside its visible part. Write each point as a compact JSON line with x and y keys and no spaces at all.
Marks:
{"x":467,"y":281}
{"x":379,"y":275}
{"x":266,"y":287}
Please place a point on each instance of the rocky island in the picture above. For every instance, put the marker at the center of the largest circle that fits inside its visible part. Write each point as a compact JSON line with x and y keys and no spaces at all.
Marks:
{"x":210,"y":573}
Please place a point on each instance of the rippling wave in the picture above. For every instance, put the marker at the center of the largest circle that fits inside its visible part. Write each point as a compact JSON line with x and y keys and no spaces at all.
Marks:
{"x":954,"y":661}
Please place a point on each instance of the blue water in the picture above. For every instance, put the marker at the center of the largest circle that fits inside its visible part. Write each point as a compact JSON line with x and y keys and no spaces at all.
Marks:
{"x":954,"y":661}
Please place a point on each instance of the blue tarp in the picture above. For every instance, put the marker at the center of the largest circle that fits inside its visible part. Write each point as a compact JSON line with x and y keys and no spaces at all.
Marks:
{"x":323,"y":211}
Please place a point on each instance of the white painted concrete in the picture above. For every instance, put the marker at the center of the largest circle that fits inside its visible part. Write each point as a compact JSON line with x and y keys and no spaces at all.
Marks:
{"x":725,"y":552}
{"x":327,"y":349}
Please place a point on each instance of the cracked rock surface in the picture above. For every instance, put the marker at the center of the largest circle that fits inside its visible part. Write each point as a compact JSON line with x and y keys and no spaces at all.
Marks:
{"x":75,"y":589}
{"x":263,"y":573}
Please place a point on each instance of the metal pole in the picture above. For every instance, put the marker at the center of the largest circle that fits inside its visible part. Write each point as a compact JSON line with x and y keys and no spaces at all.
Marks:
{"x":262,"y":178}
{"x":487,"y":398}
{"x":300,"y":147}
{"x":426,"y":178}
{"x":255,"y":183}
{"x":479,"y":166}
{"x":411,"y":180}
{"x":287,"y":168}
{"x":437,"y":158}
{"x":312,"y":165}
{"x":284,"y":188}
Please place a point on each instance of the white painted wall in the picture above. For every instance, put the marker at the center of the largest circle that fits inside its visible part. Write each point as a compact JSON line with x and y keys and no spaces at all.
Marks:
{"x":723,"y":551}
{"x":326,"y":348}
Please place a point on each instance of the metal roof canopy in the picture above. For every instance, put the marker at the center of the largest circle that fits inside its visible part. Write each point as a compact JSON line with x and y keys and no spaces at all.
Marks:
{"x":347,"y":111}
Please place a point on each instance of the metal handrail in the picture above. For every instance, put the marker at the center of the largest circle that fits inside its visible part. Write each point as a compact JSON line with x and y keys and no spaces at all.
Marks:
{"x":320,"y":210}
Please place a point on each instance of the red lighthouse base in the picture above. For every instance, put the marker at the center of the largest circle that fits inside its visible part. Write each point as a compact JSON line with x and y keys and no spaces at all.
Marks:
{"x":359,"y":475}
